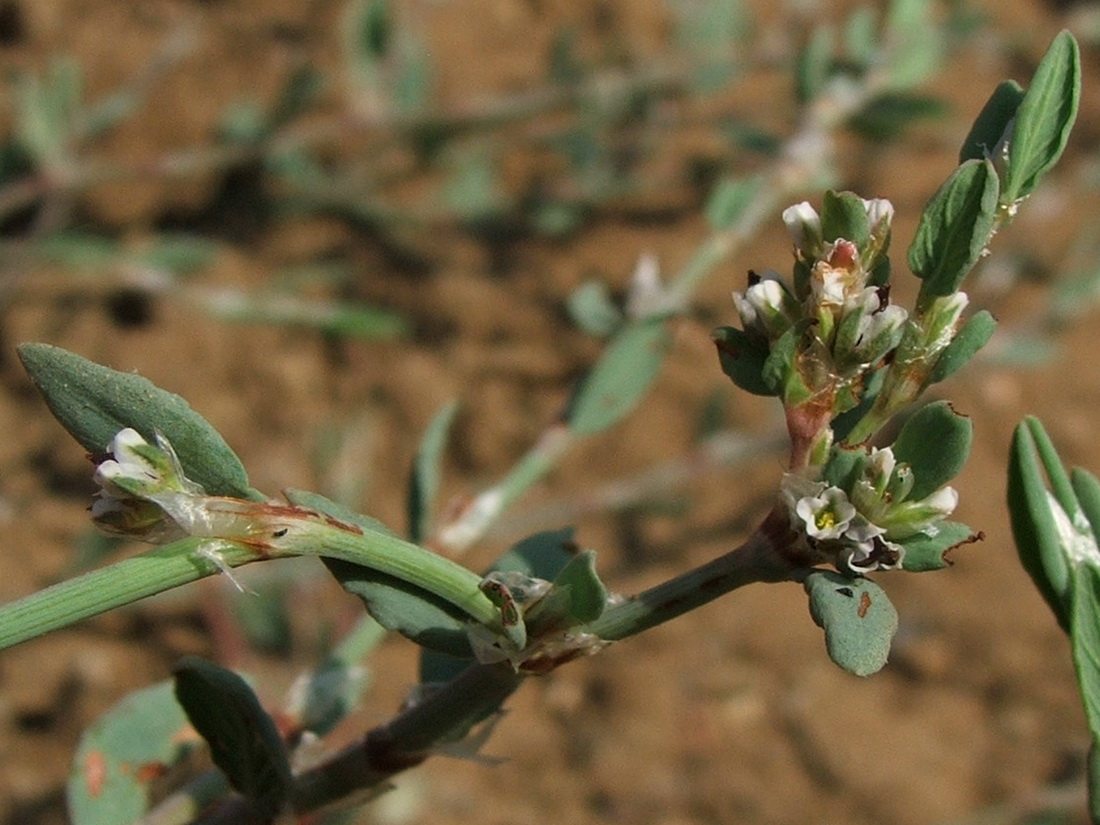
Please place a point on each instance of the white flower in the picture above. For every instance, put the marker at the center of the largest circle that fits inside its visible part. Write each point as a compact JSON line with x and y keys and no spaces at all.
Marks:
{"x":648,"y":296}
{"x":825,"y":516}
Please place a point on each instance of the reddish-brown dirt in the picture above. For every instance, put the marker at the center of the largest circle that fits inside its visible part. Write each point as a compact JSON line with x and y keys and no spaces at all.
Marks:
{"x":732,"y":714}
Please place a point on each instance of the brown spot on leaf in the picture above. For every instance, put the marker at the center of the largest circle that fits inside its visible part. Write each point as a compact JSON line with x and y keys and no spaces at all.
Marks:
{"x":864,"y":604}
{"x":148,"y":771}
{"x":95,"y":773}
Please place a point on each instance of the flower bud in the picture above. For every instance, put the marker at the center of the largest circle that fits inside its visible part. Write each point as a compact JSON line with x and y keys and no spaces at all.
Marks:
{"x":766,"y":307}
{"x":804,"y":226}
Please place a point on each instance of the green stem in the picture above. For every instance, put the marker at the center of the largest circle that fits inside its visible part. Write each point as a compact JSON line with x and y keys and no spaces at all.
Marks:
{"x":109,"y":587}
{"x":757,"y":560}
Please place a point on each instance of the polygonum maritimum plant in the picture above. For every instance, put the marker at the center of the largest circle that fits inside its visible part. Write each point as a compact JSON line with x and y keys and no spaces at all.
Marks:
{"x":829,"y":343}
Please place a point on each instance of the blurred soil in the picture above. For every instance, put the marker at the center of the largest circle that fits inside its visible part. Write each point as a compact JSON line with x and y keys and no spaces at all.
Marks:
{"x":732,"y":714}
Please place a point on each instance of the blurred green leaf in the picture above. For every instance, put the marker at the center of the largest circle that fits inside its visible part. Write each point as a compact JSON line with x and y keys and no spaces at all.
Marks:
{"x":993,"y":122}
{"x":861,"y":35}
{"x":79,"y":250}
{"x":337,"y":318}
{"x":915,"y":42}
{"x":621,"y":378}
{"x":1044,"y":119}
{"x":592,"y":309}
{"x":424,"y":480}
{"x":814,"y":64}
{"x":94,"y":403}
{"x":954,"y":228}
{"x":729,"y":200}
{"x":178,"y":253}
{"x":244,"y":741}
{"x":858,"y":619}
{"x":120,"y":755}
{"x":300,"y":92}
{"x":936,"y":423}
{"x":887,"y":115}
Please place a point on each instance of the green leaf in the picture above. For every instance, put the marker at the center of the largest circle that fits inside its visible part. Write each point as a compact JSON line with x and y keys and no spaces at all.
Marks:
{"x":954,"y":228}
{"x":244,"y":741}
{"x":1044,"y":119}
{"x":1033,"y":525}
{"x":135,"y":742}
{"x":843,"y":215}
{"x":621,"y":378}
{"x":587,"y":594}
{"x":858,"y":619}
{"x":973,"y":335}
{"x":924,"y":553}
{"x":77,"y":249}
{"x":1087,"y":490}
{"x":730,"y":199}
{"x":1084,"y":631}
{"x":951,"y":433}
{"x":415,"y":613}
{"x":742,"y":358}
{"x":540,"y":556}
{"x":94,"y":402}
{"x":813,"y":64}
{"x":887,"y":115}
{"x":844,"y":466}
{"x":424,"y":483}
{"x":591,"y":308}
{"x":992,"y":122}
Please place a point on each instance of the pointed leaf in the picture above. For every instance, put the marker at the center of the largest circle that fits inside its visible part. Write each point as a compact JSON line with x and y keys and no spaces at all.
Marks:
{"x":730,"y":199}
{"x":973,"y":335}
{"x":858,"y":619}
{"x":1033,"y":525}
{"x":244,"y":741}
{"x":540,"y":556}
{"x":954,"y":228}
{"x":843,"y":215}
{"x":992,"y":122}
{"x":1045,"y":118}
{"x":1087,"y":490}
{"x":135,"y":742}
{"x":1084,"y":631}
{"x":621,"y":377}
{"x":951,"y":433}
{"x":94,"y":402}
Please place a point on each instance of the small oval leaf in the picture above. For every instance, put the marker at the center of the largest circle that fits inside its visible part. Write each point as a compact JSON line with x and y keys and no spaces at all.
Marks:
{"x":858,"y":619}
{"x":951,"y":433}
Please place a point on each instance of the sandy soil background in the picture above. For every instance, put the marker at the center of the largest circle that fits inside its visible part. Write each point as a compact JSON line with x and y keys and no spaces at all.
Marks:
{"x":730,"y":715}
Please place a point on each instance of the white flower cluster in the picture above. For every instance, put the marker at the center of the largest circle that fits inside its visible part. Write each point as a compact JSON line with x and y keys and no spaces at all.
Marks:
{"x":860,"y":530}
{"x":854,"y":320}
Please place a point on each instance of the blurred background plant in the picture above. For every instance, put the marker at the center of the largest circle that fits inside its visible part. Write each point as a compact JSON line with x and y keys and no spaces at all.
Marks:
{"x":369,"y":154}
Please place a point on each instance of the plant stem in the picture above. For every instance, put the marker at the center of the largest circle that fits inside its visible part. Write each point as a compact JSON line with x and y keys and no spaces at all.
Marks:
{"x":757,"y":560}
{"x":409,"y":738}
{"x":98,"y":591}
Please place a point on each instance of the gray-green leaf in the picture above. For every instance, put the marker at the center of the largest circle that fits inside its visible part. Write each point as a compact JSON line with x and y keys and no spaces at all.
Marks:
{"x":1044,"y":119}
{"x":244,"y":741}
{"x":954,"y":228}
{"x":94,"y":402}
{"x":858,"y":619}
